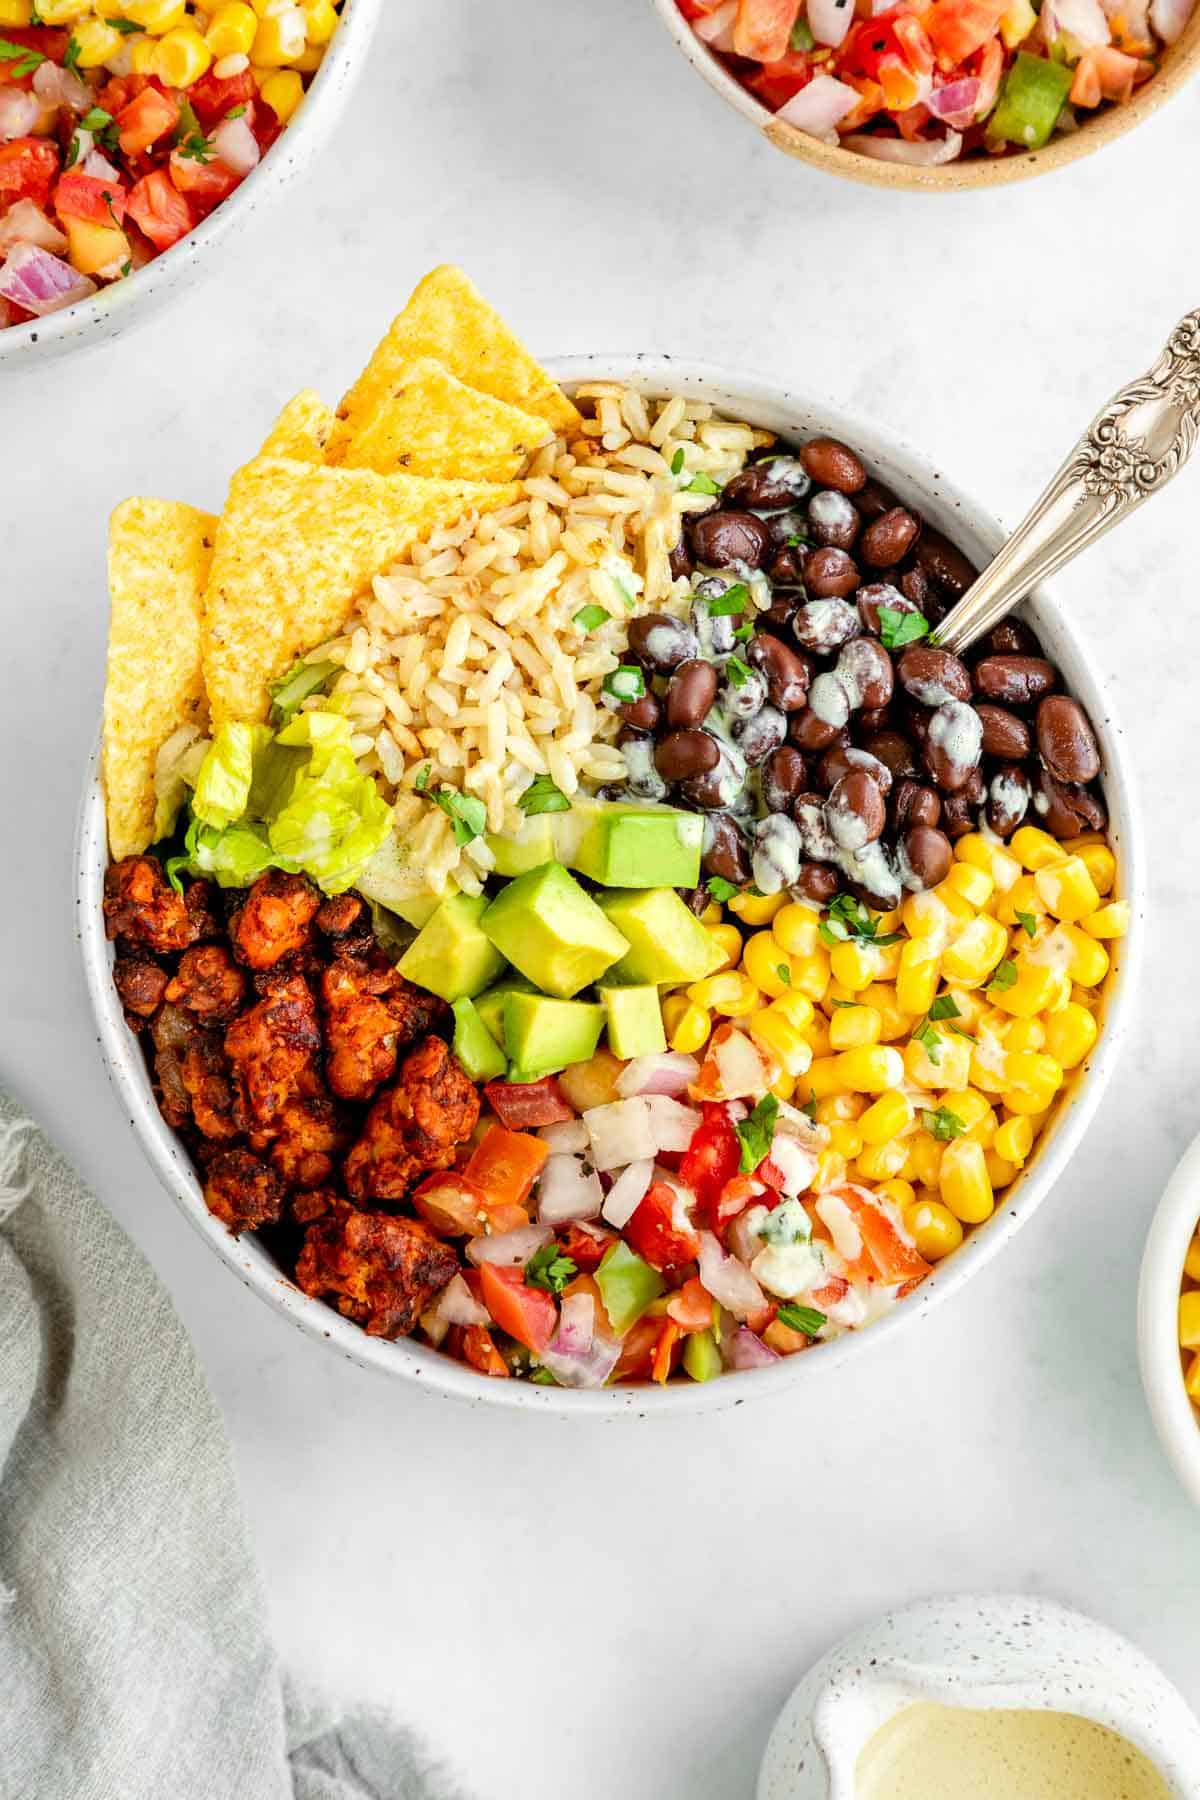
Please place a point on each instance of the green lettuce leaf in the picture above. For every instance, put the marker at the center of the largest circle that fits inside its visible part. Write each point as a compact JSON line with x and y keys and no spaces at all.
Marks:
{"x":223,"y":785}
{"x":333,"y":820}
{"x":291,"y":690}
{"x":234,"y":857}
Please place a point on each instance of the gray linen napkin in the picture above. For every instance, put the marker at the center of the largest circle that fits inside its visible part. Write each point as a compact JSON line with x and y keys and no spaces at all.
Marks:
{"x":134,"y":1661}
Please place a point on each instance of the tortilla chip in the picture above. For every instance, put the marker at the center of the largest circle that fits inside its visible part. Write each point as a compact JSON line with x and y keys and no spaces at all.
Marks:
{"x":302,"y":429}
{"x":427,"y":422}
{"x":449,"y":320}
{"x":296,"y":546}
{"x":159,"y":552}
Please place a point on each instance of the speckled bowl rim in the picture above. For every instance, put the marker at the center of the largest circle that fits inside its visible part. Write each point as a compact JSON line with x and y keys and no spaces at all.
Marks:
{"x":1171,"y":1229}
{"x":126,"y":303}
{"x":1102,"y":128}
{"x":764,"y":402}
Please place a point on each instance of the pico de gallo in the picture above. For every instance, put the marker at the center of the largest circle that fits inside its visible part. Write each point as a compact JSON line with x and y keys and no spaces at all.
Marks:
{"x":125,"y":123}
{"x":925,"y":82}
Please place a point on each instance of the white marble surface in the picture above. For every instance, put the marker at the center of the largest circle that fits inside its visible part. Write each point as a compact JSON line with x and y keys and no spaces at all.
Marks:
{"x":619,"y":1612}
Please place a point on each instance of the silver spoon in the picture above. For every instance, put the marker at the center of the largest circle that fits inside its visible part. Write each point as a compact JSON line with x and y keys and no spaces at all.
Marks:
{"x":1132,"y":448}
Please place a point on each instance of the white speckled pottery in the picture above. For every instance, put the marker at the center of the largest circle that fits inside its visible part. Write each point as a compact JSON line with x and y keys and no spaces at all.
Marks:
{"x":946,"y":506}
{"x":982,"y":1651}
{"x":114,"y":309}
{"x":1170,"y":1233}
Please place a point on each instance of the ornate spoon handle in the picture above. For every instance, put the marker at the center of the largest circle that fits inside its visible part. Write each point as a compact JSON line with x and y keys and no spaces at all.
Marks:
{"x":1132,"y":449}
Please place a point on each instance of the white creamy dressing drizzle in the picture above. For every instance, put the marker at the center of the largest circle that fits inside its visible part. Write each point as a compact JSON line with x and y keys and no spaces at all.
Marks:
{"x":957,"y":730}
{"x":836,"y":1216}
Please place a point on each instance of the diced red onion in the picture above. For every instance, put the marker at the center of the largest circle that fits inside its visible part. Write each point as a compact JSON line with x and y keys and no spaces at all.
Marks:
{"x":717,"y":29}
{"x":566,"y":1192}
{"x":793,"y":1162}
{"x":576,"y":1325}
{"x":669,"y":1072}
{"x":619,"y":1133}
{"x":56,"y":86}
{"x":627,"y":1193}
{"x":742,"y":1238}
{"x":26,"y":223}
{"x":820,"y":107}
{"x":40,"y":283}
{"x":728,"y":1280}
{"x":830,"y":20}
{"x":1169,"y":17}
{"x":99,"y":168}
{"x":957,"y":103}
{"x":745,"y":1351}
{"x":673,"y":1126}
{"x":458,"y":1305}
{"x":236,"y":145}
{"x":922,"y":153}
{"x":565,"y":1139}
{"x":590,"y":1369}
{"x":740,"y":1066}
{"x":19,"y":113}
{"x":509,"y":1248}
{"x":1082,"y":21}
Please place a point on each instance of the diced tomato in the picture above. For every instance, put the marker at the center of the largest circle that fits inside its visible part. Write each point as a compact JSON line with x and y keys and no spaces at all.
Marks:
{"x":666,"y":1351}
{"x":206,"y":184}
{"x":737,"y":1195}
{"x":145,"y":120}
{"x":159,"y":210}
{"x":1105,"y":73}
{"x":659,"y":1231}
{"x":453,"y":1205}
{"x":523,"y":1104}
{"x":478,"y":1348}
{"x":691,"y":1306}
{"x":80,"y":196}
{"x":698,"y":9}
{"x":213,"y":96}
{"x":115,"y":95}
{"x":42,"y":38}
{"x":506,"y":1164}
{"x":711,"y":1159}
{"x":762,"y":28}
{"x":584,"y":1248}
{"x":637,"y":1349}
{"x":28,"y":167}
{"x":886,"y":1257}
{"x":265,"y":124}
{"x":778,"y":82}
{"x":585,"y":1284}
{"x":830,"y":1292}
{"x":957,"y":28}
{"x":988,"y":68}
{"x":527,"y":1314}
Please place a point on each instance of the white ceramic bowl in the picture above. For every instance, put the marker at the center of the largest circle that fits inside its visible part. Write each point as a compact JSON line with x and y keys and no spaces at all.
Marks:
{"x":916,"y":479}
{"x":1175,"y":1418}
{"x":115,"y":309}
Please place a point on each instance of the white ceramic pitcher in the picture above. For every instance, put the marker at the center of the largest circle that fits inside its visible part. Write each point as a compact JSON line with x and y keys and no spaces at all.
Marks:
{"x":979,"y":1651}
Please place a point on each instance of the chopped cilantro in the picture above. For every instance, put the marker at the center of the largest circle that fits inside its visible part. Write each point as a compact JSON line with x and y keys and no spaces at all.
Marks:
{"x":196,"y":148}
{"x":757,"y":1133}
{"x":733,"y":600}
{"x":127,"y":266}
{"x":736,"y":672}
{"x":73,"y":149}
{"x":626,"y":683}
{"x":1005,"y":976}
{"x":702,"y":483}
{"x":801,"y":37}
{"x":1028,"y":923}
{"x":550,"y":1269}
{"x":800,"y":1318}
{"x":542,"y":796}
{"x":720,"y":889}
{"x":784,"y":974}
{"x":745,"y":632}
{"x":945,"y":1007}
{"x":126,"y":27}
{"x":71,"y":57}
{"x":846,"y":1005}
{"x":543,"y":1377}
{"x":898,"y":628}
{"x":924,"y":1033}
{"x":239,"y":112}
{"x":677,"y":461}
{"x":589,"y":618}
{"x":943,"y":1124}
{"x":847,"y":917}
{"x":423,"y":774}
{"x":809,"y":1109}
{"x":466,"y":813}
{"x":24,"y":60}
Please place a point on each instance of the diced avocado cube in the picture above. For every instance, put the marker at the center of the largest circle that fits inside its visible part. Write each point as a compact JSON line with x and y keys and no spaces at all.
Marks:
{"x":635,"y":1026}
{"x":701,"y":1358}
{"x":667,"y":943}
{"x":491,"y":1003}
{"x":545,"y":1034}
{"x":526,"y":849}
{"x":637,"y":846}
{"x":451,"y":955}
{"x":474,"y":1046}
{"x":552,"y":931}
{"x":627,"y":1286}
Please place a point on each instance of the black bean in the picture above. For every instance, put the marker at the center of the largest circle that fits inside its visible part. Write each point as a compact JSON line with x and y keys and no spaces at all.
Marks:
{"x":681,"y":754}
{"x":690,"y":694}
{"x":722,"y":538}
{"x":787,"y":674}
{"x":725,"y":852}
{"x":783,"y":775}
{"x":661,"y":642}
{"x":756,"y":738}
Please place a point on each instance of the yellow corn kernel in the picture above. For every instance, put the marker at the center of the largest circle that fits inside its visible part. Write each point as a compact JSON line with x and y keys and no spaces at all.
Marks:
{"x":183,"y":57}
{"x":730,"y":993}
{"x":992,"y":858}
{"x":1033,"y":1079}
{"x":157,"y":16}
{"x":691,"y":1032}
{"x":964,"y":1182}
{"x":825,"y":1078}
{"x":673,"y":1006}
{"x":878,"y":1162}
{"x":63,"y":12}
{"x":1070,"y":1035}
{"x":855,"y":964}
{"x":988,"y":1063}
{"x":873,"y":1069}
{"x":945,"y":1063}
{"x":796,"y":928}
{"x":933,"y":1228}
{"x":795,"y":1007}
{"x":1191,"y":1380}
{"x":968,"y":1105}
{"x":784,"y":1086}
{"x":810,"y":974}
{"x":94,"y":42}
{"x":972,"y":1003}
{"x":893,"y":1023}
{"x":1087,"y":959}
{"x":960,"y":912}
{"x":1014,"y":1139}
{"x":16,"y":12}
{"x":1111,"y":921}
{"x":95,"y":247}
{"x":231,"y":30}
{"x":768,"y":967}
{"x":924,"y":1160}
{"x":1191,"y":1262}
{"x":760,"y":909}
{"x":1189,"y":1319}
{"x":838,"y":1108}
{"x":310,"y":59}
{"x":852,"y":1026}
{"x":1068,"y":889}
{"x":1035,"y":848}
{"x":846,"y":1138}
{"x":279,"y":39}
{"x":1039,"y":987}
{"x":1017,"y":23}
{"x":320,"y":20}
{"x":1022,"y":897}
{"x":712,"y":914}
{"x":1089,"y":998}
{"x":726,"y":938}
{"x":1099,"y":860}
{"x":887,"y":961}
{"x":973,"y":885}
{"x":143,"y":55}
{"x":785,"y":1041}
{"x":887,"y":1117}
{"x":1000,"y":1172}
{"x":817,"y":1034}
{"x":831,"y":1171}
{"x":975,"y":952}
{"x":917,"y":978}
{"x":1025,"y":1034}
{"x":900,"y":1193}
{"x":926,"y":916}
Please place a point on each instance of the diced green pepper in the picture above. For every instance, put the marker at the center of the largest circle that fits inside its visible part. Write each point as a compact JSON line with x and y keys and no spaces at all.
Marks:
{"x":476,"y":1049}
{"x":1030,"y":101}
{"x":701,"y":1358}
{"x":627,"y":1286}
